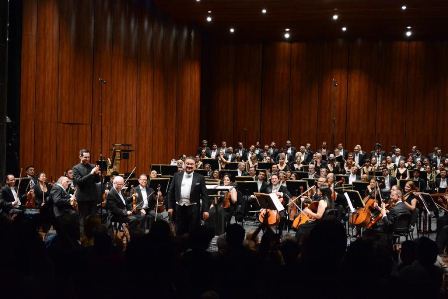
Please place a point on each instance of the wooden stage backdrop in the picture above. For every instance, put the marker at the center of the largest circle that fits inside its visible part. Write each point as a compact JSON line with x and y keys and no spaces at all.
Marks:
{"x":151,"y":97}
{"x":393,"y":92}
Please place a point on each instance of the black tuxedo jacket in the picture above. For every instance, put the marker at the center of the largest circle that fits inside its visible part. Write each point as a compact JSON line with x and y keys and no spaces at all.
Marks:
{"x":291,"y":156}
{"x":263,"y":188}
{"x":85,"y":182}
{"x":284,"y":190}
{"x":151,"y":197}
{"x":116,"y":206}
{"x":398,"y":210}
{"x":243,"y":154}
{"x":61,"y":201}
{"x":198,"y":191}
{"x":7,"y":199}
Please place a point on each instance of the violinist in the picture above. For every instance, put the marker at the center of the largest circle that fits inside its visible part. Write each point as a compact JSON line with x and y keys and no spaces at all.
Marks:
{"x":222,"y":206}
{"x":63,"y":202}
{"x":418,"y":181}
{"x":325,"y":204}
{"x":10,"y":200}
{"x":146,"y":200}
{"x":120,"y":207}
{"x":397,"y":208}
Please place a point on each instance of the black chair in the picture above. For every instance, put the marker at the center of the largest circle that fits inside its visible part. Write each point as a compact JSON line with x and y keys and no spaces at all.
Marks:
{"x":402,"y":228}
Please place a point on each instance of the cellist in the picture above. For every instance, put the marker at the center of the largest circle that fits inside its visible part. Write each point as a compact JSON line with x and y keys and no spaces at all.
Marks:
{"x":325,"y":203}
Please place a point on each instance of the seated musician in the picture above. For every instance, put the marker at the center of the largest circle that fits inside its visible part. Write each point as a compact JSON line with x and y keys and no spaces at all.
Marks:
{"x":10,"y":201}
{"x":442,"y":182}
{"x":372,"y":190}
{"x":146,"y":198}
{"x":410,"y":200}
{"x":64,"y":203}
{"x":222,"y":207}
{"x":283,"y":196}
{"x":387,"y":182}
{"x":418,"y":181}
{"x":121,"y":207}
{"x":397,"y":208}
{"x":325,"y":204}
{"x":354,"y":176}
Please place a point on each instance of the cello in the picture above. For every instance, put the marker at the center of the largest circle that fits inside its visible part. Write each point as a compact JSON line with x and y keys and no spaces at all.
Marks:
{"x":303,"y":217}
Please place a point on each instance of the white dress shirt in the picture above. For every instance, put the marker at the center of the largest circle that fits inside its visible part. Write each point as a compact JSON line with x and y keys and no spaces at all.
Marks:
{"x":185,"y":190}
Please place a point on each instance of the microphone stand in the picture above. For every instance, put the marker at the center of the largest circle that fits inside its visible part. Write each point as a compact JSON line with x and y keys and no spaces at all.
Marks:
{"x":102,"y":82}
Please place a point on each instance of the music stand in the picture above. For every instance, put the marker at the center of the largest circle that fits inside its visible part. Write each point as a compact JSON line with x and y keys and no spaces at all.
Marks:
{"x":209,"y":181}
{"x":243,"y":178}
{"x":202,"y":172}
{"x":168,"y":169}
{"x":156,"y":167}
{"x":375,"y":173}
{"x":264,"y":165}
{"x":163,"y":182}
{"x":341,"y":178}
{"x":247,"y":188}
{"x":360,"y":186}
{"x":353,"y":200}
{"x":231,"y":173}
{"x":301,"y":174}
{"x":231,"y":166}
{"x":311,"y":182}
{"x":340,"y":159}
{"x":429,"y":203}
{"x":305,"y":168}
{"x":213,"y":163}
{"x":294,"y":187}
{"x":266,"y":201}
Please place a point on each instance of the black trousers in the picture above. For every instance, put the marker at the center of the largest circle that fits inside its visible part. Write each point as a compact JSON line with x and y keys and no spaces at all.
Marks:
{"x":86,"y":208}
{"x":187,"y":219}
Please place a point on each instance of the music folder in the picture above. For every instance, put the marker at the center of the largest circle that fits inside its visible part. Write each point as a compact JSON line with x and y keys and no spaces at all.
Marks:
{"x":247,"y":187}
{"x":354,"y":200}
{"x":269,"y":201}
{"x":295,"y":187}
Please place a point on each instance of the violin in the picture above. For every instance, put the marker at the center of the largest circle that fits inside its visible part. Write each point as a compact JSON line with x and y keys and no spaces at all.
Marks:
{"x":160,"y":205}
{"x":30,"y":200}
{"x":226,"y":201}
{"x":134,"y":200}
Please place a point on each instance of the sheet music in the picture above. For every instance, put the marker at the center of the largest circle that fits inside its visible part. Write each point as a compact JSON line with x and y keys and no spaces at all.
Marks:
{"x":218,"y":187}
{"x":276,"y":201}
{"x":349,"y":202}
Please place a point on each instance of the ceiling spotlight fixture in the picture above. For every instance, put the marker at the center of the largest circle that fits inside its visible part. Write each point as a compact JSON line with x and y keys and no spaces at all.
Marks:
{"x":232,"y":30}
{"x":408,"y":33}
{"x":209,"y":19}
{"x":344,"y":29}
{"x":286,"y":29}
{"x":287,"y":35}
{"x":335,"y":17}
{"x":404,"y":7}
{"x":198,"y":0}
{"x":209,"y":11}
{"x":264,"y":11}
{"x":408,"y":27}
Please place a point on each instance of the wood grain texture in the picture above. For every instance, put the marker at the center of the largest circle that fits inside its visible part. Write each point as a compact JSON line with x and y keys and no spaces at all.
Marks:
{"x":68,"y":46}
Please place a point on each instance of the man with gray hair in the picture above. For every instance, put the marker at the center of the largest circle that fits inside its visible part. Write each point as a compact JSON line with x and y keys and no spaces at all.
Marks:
{"x":63,"y":202}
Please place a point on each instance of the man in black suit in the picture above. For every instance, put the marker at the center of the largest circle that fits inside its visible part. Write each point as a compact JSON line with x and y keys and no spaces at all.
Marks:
{"x":241,"y":151}
{"x":290,"y":152}
{"x":389,"y":218}
{"x":358,"y":156}
{"x":204,"y":147}
{"x":63,"y":202}
{"x":387,"y":184}
{"x":442,"y":182}
{"x":121,"y":208}
{"x":262,"y":185}
{"x":283,"y":196}
{"x":10,"y":200}
{"x":85,"y":177}
{"x":184,"y":195}
{"x":146,"y":200}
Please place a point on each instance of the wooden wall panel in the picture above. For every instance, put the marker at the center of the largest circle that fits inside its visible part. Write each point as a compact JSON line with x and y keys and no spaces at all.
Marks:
{"x":305,"y":74}
{"x":68,"y":46}
{"x":247,"y":92}
{"x":391,"y":92}
{"x":28,"y":82}
{"x":275,"y":104}
{"x":361,"y":98}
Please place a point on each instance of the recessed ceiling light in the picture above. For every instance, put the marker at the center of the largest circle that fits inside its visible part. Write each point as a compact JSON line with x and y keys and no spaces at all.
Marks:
{"x":209,"y":19}
{"x":287,"y":29}
{"x":404,"y":7}
{"x":287,"y":35}
{"x":335,"y":17}
{"x":344,"y":29}
{"x":232,"y":30}
{"x":209,"y":11}
{"x":408,"y":33}
{"x":198,"y":0}
{"x":264,"y":11}
{"x":408,"y":27}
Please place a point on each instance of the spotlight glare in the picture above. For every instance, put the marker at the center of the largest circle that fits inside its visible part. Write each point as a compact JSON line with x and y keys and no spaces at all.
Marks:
{"x":198,"y":0}
{"x":232,"y":30}
{"x":404,"y":7}
{"x":408,"y":33}
{"x":335,"y":17}
{"x":287,"y":29}
{"x":344,"y":29}
{"x":209,"y":19}
{"x":209,"y":11}
{"x":264,"y":11}
{"x":287,"y":35}
{"x":408,"y":27}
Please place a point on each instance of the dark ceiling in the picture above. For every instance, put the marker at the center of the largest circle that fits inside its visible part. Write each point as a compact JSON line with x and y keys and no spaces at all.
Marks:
{"x":312,"y":19}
